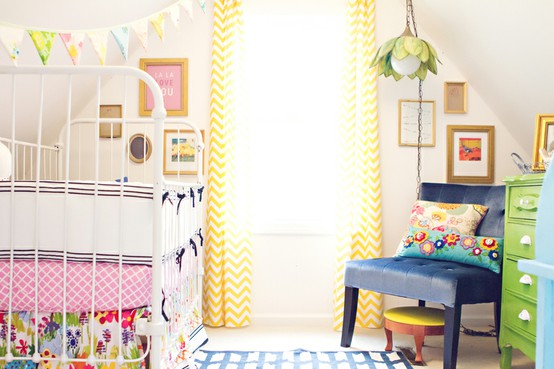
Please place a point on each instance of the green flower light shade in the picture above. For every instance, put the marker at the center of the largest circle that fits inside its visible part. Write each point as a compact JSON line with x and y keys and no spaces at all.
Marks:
{"x":406,"y":55}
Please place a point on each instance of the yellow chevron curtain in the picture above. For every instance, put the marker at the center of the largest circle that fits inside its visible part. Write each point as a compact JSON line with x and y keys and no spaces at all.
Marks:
{"x":359,"y":210}
{"x":228,"y":254}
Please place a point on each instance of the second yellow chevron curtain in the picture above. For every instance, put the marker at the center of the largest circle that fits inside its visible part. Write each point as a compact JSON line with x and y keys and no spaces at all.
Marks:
{"x":359,"y":224}
{"x":228,"y":255}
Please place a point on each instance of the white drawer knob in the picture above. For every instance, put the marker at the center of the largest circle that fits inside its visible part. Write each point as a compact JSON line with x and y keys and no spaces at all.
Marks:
{"x":523,"y":202}
{"x":525,"y":240}
{"x":524,"y":315}
{"x":526,"y":279}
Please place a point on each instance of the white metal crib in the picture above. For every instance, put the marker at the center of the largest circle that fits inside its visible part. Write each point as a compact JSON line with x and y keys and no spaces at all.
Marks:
{"x":78,"y":200}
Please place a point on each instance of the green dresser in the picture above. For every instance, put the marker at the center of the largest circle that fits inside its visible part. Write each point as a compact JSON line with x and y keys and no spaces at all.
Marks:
{"x":519,"y":290}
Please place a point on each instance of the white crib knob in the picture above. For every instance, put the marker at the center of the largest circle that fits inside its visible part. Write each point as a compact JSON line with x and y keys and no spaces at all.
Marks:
{"x":524,"y":315}
{"x":120,"y":360}
{"x":526,"y":279}
{"x":64,"y":358}
{"x":36,"y":358}
{"x":8,"y":357}
{"x":91,"y":360}
{"x":525,"y":240}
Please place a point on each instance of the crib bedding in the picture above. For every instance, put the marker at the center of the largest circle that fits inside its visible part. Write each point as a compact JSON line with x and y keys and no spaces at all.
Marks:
{"x":135,"y":283}
{"x":106,"y":337}
{"x":78,"y":224}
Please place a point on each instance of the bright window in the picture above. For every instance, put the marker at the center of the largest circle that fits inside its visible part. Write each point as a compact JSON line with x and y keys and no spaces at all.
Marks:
{"x":293,"y":70}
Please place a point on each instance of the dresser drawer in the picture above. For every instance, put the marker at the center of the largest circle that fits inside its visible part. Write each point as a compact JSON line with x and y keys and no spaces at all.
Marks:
{"x":523,"y":202}
{"x":518,"y":281}
{"x":520,"y":240}
{"x":519,"y":313}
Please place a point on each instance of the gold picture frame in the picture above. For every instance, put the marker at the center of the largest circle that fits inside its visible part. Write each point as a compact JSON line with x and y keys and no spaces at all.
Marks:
{"x":408,"y":124}
{"x":140,"y":148}
{"x":470,"y":154}
{"x":455,"y":97}
{"x":180,"y":152}
{"x":110,"y":130}
{"x":544,"y":138}
{"x":171,"y":74}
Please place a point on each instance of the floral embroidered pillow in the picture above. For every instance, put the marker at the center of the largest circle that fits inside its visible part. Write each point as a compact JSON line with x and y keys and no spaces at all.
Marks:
{"x":484,"y":252}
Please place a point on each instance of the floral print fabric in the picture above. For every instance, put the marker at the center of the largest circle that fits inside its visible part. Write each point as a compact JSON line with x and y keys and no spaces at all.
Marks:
{"x":484,"y":252}
{"x":106,"y":337}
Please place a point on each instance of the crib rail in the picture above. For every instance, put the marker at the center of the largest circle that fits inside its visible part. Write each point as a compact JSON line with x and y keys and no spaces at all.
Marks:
{"x":56,"y":165}
{"x":25,"y":155}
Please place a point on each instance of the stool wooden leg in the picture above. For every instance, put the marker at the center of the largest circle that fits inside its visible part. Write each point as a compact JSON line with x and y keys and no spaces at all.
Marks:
{"x":418,"y":344}
{"x":388,"y":333}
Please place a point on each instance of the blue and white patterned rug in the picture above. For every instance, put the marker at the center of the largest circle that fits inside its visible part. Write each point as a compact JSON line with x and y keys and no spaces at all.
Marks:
{"x":300,"y":359}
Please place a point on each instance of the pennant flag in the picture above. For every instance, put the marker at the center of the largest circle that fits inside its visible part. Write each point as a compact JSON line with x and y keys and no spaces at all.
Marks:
{"x":202,"y":4}
{"x":187,"y":5}
{"x":43,"y":42}
{"x":121,"y":36}
{"x":74,"y":44}
{"x":99,"y":40}
{"x":158,"y":23}
{"x":141,"y":30}
{"x":11,"y":39}
{"x":175,"y":14}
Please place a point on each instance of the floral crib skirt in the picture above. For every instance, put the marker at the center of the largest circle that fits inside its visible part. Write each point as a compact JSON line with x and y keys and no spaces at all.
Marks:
{"x":101,"y":338}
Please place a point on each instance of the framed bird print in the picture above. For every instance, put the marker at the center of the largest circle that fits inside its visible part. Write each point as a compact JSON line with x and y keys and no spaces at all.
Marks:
{"x":470,"y":154}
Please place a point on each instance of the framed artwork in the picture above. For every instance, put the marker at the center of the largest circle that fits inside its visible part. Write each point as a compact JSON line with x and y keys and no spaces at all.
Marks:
{"x":544,"y":139}
{"x":172,"y":77}
{"x":140,"y":148}
{"x":408,"y":124}
{"x":455,"y":97}
{"x":470,"y":154}
{"x":180,"y":152}
{"x":110,"y":130}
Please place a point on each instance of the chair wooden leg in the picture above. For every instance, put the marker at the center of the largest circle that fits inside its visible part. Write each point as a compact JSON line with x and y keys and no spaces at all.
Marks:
{"x":497,"y":324}
{"x":452,"y":316}
{"x":349,"y":315}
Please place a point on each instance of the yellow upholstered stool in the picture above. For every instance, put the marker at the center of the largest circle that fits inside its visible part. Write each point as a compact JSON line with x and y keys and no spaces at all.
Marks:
{"x":415,"y":320}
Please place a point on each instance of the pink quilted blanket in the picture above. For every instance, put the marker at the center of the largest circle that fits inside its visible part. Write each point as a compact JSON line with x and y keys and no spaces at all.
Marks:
{"x":136,"y":282}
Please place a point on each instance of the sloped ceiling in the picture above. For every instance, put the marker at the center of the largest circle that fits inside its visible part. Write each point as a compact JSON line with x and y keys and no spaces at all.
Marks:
{"x":505,"y":48}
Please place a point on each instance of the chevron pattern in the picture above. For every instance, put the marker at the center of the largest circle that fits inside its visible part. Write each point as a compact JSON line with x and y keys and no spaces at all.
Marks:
{"x":228,"y":254}
{"x":359,"y":225}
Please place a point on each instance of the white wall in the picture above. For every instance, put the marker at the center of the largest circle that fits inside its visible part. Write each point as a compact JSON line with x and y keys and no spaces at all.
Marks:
{"x":293,"y":274}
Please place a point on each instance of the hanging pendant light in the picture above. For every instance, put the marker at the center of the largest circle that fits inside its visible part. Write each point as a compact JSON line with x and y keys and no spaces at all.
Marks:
{"x":406,"y":55}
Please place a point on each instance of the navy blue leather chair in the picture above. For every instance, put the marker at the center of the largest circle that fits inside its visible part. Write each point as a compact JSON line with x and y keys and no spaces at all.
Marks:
{"x":449,"y":283}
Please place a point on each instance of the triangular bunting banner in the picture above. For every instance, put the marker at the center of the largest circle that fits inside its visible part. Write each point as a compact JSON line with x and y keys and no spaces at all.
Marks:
{"x":11,"y":39}
{"x":158,"y":23}
{"x":141,"y":30}
{"x":121,"y":36}
{"x":175,"y":14}
{"x":187,"y":5}
{"x":74,"y":44}
{"x":202,"y":4}
{"x":43,"y":42}
{"x":99,"y":40}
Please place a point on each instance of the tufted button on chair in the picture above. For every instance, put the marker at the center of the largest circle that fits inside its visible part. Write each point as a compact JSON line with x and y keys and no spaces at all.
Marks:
{"x":445,"y":282}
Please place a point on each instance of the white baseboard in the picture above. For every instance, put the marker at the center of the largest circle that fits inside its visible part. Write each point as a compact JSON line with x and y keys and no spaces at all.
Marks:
{"x":272,"y":320}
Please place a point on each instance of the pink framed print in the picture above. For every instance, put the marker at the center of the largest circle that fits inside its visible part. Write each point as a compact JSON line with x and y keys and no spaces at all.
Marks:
{"x":172,"y":77}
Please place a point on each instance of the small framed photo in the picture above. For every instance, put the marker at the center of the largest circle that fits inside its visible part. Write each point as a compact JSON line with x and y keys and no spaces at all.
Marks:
{"x":181,"y":152}
{"x":172,"y":77}
{"x":140,"y":148}
{"x":544,"y":139}
{"x":455,"y":97}
{"x":408,"y":122}
{"x":470,"y":155}
{"x":110,"y":130}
